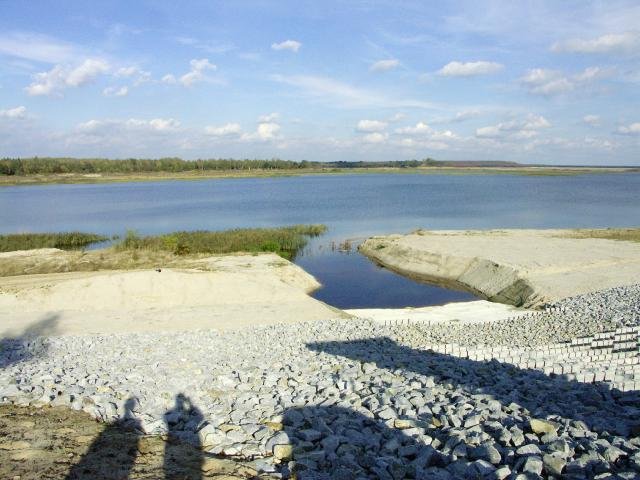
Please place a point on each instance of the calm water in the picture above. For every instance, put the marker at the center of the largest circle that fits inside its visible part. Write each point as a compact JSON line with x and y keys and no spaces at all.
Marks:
{"x":352,"y":206}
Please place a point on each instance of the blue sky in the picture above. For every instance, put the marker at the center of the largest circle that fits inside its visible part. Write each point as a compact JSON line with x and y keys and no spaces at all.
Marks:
{"x":539,"y":82}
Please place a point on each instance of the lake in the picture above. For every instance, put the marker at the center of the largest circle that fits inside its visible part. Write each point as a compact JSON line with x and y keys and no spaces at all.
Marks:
{"x":352,"y":206}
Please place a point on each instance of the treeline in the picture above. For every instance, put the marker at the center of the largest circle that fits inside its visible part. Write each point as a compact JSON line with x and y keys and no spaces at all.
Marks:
{"x":51,"y":165}
{"x":33,"y":166}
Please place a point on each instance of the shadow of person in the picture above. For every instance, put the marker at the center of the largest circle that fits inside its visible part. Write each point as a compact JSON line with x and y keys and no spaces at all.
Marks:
{"x":602,"y":408}
{"x":340,"y":443}
{"x":27,"y":345}
{"x":181,"y":460}
{"x":112,"y":455}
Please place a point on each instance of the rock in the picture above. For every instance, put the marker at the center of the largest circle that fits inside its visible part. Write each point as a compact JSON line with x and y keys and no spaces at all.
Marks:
{"x":540,"y":427}
{"x":486,"y":452}
{"x":530,"y":449}
{"x":533,"y":465}
{"x":554,"y":463}
{"x":283,"y":452}
{"x":212,"y":465}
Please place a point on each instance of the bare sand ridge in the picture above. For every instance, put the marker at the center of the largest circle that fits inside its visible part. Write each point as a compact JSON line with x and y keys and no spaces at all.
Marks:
{"x":518,"y":267}
{"x":235,"y":291}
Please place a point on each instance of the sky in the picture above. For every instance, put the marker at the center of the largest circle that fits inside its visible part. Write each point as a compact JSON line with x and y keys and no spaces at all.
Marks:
{"x":526,"y":81}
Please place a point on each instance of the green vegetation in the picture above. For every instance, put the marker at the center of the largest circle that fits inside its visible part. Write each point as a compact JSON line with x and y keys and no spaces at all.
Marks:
{"x":64,"y":241}
{"x":623,"y":234}
{"x":285,"y":241}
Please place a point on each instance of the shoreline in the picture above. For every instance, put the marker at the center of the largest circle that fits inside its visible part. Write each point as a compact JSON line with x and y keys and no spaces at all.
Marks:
{"x":525,"y":268}
{"x":70,"y":179}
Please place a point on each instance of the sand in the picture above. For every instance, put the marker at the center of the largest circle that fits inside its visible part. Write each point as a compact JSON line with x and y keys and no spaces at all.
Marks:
{"x":478,"y":311}
{"x":242,"y":290}
{"x":519,"y":267}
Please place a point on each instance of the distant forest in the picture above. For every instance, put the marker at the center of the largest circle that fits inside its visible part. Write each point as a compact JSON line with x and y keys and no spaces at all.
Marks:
{"x":49,"y":165}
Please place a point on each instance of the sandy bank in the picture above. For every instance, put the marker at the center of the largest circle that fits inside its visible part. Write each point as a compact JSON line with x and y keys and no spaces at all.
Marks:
{"x":235,"y":291}
{"x":518,"y":267}
{"x":472,"y":312}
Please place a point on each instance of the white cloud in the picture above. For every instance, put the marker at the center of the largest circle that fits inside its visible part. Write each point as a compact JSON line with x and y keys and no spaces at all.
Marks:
{"x":541,"y":81}
{"x":371,"y":126}
{"x":291,"y":45}
{"x":632,"y":129}
{"x":60,"y":77}
{"x":515,"y":129}
{"x":592,"y":120}
{"x":610,"y":43}
{"x":420,"y":128}
{"x":384,"y":65}
{"x":271,"y":117}
{"x":139,"y":76}
{"x":345,"y":95}
{"x":267,"y":130}
{"x":227,"y":130}
{"x":36,"y":47}
{"x":14,"y":113}
{"x":396,"y":117}
{"x":116,"y":92}
{"x":469,"y":69}
{"x":195,"y":75}
{"x":170,"y":79}
{"x":160,"y":125}
{"x":375,"y":137}
{"x":198,"y":67}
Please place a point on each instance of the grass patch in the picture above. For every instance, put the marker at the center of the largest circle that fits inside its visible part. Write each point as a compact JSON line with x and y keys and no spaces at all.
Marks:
{"x":623,"y":234}
{"x":285,"y":241}
{"x":64,"y":241}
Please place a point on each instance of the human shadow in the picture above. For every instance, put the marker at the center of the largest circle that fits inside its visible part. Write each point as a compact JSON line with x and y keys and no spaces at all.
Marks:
{"x":339,"y":443}
{"x":29,"y":344}
{"x":112,"y":455}
{"x":181,"y":460}
{"x":600,"y":407}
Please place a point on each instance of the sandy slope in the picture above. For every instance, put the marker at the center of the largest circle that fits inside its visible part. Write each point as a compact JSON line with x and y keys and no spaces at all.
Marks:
{"x":518,"y":267}
{"x":241,"y":290}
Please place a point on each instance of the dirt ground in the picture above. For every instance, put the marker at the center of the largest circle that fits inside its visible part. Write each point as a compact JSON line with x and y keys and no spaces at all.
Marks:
{"x":59,"y":443}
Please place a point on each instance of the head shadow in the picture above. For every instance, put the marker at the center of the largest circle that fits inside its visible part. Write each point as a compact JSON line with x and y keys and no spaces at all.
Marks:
{"x":183,"y":455}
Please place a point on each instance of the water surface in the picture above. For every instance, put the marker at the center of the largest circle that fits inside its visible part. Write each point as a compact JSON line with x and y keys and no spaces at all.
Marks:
{"x":352,"y":206}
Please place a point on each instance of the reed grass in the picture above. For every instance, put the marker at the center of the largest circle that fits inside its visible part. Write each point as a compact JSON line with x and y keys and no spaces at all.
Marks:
{"x":623,"y":234}
{"x":63,"y":241}
{"x":285,"y":241}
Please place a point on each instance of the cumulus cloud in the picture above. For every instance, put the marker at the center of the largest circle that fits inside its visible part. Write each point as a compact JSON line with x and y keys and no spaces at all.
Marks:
{"x":291,"y":45}
{"x":420,"y":128}
{"x":14,"y":113}
{"x":375,"y":137}
{"x":541,"y":81}
{"x":271,"y":117}
{"x":139,"y":76}
{"x":632,"y":129}
{"x":161,"y":125}
{"x":194,"y":75}
{"x":592,"y":120}
{"x":60,"y":77}
{"x":371,"y":126}
{"x":610,"y":43}
{"x":515,"y":129}
{"x":384,"y":65}
{"x":116,"y":92}
{"x":227,"y":130}
{"x":469,"y":69}
{"x":268,"y":130}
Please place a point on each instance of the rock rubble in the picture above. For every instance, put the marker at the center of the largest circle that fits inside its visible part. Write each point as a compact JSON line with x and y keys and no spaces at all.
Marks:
{"x":356,"y":399}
